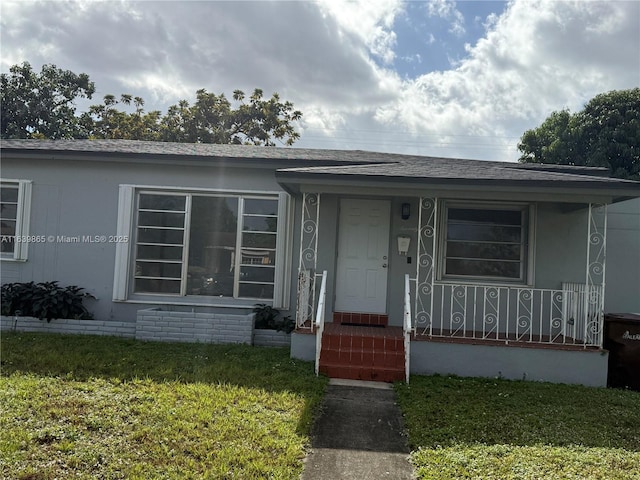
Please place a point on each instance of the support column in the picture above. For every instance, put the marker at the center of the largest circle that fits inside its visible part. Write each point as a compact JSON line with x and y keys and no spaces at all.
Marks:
{"x":595,"y":274}
{"x":308,"y":260}
{"x":427,"y":240}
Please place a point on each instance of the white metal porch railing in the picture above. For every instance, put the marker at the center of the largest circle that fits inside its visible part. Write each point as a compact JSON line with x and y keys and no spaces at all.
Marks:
{"x":319,"y":319}
{"x":308,"y":296}
{"x":571,"y":316}
{"x":407,"y":326}
{"x":306,"y":292}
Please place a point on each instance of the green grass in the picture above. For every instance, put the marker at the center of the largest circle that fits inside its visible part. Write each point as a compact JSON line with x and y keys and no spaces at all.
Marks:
{"x":498,"y":429}
{"x":111,"y":408}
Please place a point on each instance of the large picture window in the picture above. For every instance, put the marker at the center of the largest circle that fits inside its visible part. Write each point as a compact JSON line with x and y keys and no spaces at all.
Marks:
{"x":485,"y":242}
{"x":206,"y":244}
{"x":15,"y":198}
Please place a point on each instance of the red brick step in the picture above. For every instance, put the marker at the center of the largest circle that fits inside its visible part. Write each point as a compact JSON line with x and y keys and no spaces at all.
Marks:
{"x":362,"y":353}
{"x":350,"y":318}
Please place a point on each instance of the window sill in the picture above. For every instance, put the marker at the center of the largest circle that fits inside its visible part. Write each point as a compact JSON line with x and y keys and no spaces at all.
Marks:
{"x":10,"y":259}
{"x":211,"y":302}
{"x":476,"y":282}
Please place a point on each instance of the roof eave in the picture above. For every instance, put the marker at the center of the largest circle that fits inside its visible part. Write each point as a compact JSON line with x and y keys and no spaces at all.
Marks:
{"x":600,"y":190}
{"x":171,"y":158}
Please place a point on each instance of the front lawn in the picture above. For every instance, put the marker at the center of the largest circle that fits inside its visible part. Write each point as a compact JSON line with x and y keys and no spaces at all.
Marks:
{"x":497,"y":429}
{"x":104,"y":407}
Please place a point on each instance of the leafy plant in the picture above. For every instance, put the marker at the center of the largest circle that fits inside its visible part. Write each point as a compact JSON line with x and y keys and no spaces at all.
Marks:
{"x":45,"y":300}
{"x":267,"y":317}
{"x":16,"y":298}
{"x":286,"y":324}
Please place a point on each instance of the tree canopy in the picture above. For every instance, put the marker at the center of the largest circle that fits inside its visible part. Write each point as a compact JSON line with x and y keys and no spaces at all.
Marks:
{"x":42,"y":106}
{"x":605,"y":133}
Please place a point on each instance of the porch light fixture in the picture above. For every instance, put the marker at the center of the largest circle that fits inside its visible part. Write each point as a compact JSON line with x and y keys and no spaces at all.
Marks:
{"x":406,"y":211}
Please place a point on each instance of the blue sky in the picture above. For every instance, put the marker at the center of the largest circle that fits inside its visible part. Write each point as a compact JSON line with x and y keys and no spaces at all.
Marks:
{"x":428,"y":42}
{"x":433,"y":77}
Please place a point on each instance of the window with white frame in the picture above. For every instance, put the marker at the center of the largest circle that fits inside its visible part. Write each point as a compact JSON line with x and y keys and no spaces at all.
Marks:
{"x":15,"y":202}
{"x":206,"y":244}
{"x":485,"y":242}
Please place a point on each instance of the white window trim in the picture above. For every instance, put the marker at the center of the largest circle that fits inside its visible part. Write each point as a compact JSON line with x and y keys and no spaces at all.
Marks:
{"x":529,"y":263}
{"x":284,"y":253}
{"x":125,"y":251}
{"x":23,"y":215}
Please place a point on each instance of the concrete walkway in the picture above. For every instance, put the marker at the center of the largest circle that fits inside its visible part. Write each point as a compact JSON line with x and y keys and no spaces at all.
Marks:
{"x":359,"y":435}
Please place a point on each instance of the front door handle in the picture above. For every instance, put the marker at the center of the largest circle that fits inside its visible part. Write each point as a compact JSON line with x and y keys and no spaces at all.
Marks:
{"x":384,"y":265}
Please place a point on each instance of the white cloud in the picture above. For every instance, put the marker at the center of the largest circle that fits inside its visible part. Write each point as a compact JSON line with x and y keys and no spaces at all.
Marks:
{"x":446,"y":9}
{"x":371,"y":21}
{"x":537,"y":57}
{"x":334,"y":61}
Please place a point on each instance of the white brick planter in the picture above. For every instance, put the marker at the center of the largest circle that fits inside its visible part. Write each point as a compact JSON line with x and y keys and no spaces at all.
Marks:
{"x":65,"y":325}
{"x":171,"y":324}
{"x":185,"y":324}
{"x":271,"y":338}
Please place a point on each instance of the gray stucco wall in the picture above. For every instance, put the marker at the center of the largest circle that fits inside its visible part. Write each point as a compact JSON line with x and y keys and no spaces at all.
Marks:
{"x":560,"y":247}
{"x":73,"y":198}
{"x":398,"y":264}
{"x":585,"y":367}
{"x":327,"y":245}
{"x":561,"y":251}
{"x":623,"y":258}
{"x":303,"y":346}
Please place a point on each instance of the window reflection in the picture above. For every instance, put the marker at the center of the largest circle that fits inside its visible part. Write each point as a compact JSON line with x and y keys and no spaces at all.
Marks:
{"x":231,"y":243}
{"x":487,"y":243}
{"x":212,"y":246}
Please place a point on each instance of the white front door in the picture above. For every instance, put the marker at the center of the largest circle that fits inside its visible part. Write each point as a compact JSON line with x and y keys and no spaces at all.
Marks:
{"x":363,"y":256}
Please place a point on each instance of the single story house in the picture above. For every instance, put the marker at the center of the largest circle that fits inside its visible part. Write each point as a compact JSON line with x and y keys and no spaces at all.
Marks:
{"x":389,"y":263}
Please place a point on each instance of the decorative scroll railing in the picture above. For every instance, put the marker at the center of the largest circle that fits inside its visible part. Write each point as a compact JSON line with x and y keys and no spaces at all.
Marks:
{"x":572,"y":316}
{"x":425,"y":275}
{"x":596,"y":259}
{"x":308,"y":260}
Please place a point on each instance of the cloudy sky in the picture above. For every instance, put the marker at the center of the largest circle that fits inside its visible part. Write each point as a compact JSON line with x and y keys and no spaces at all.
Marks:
{"x":437,"y":77}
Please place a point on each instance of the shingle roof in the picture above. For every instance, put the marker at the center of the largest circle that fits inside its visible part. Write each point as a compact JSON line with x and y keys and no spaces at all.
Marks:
{"x":460,"y":169}
{"x":336,"y":163}
{"x":203,"y":150}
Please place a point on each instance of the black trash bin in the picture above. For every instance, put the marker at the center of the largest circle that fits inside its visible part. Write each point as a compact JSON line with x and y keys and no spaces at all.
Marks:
{"x":622,"y":339}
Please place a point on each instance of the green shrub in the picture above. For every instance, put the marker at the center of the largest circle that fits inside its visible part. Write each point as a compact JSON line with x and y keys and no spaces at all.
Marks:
{"x":267,"y":318}
{"x":45,"y":300}
{"x":286,"y":324}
